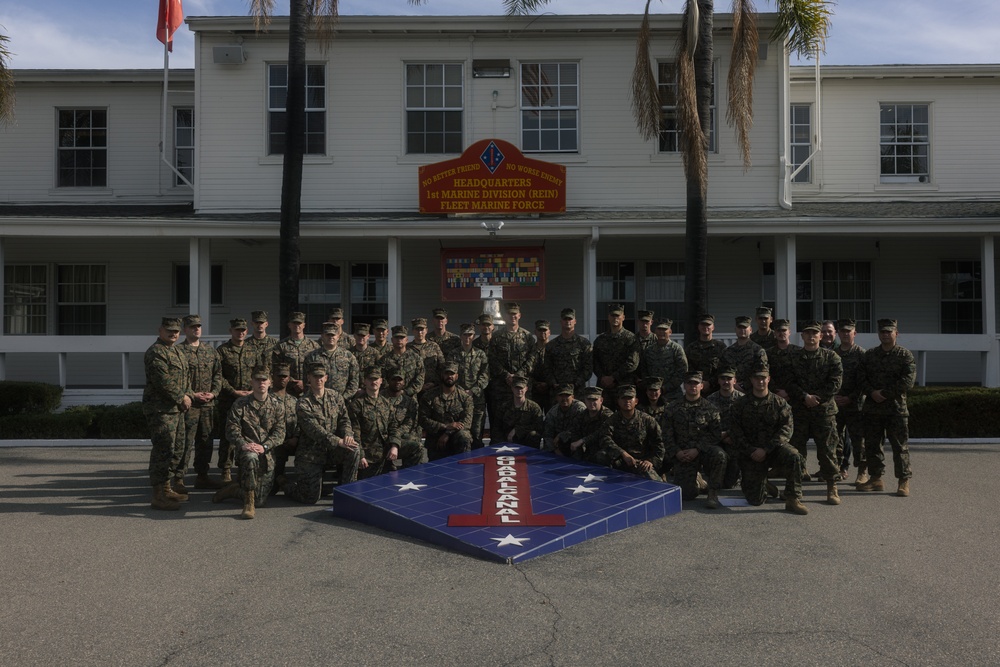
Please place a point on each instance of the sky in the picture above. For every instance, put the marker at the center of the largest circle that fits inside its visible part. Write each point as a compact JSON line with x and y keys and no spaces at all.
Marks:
{"x":69,"y":34}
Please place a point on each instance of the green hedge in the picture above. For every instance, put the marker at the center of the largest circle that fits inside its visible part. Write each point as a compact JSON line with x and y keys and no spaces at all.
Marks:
{"x":24,"y":398}
{"x":954,"y":412}
{"x":106,"y":422}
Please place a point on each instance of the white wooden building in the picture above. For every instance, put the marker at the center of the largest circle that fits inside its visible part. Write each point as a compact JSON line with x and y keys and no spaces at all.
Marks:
{"x":99,"y":237}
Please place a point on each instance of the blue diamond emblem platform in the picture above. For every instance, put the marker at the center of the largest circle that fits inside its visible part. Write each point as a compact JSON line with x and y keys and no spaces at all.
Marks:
{"x":506,"y":502}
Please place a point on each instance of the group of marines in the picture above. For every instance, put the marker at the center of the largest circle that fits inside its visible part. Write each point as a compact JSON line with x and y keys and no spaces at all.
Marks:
{"x":706,"y":417}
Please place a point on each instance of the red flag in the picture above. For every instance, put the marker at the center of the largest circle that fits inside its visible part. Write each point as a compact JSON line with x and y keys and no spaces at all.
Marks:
{"x":170,"y":18}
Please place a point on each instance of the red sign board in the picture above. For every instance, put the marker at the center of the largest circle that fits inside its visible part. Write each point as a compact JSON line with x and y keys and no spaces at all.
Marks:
{"x":492,"y":176}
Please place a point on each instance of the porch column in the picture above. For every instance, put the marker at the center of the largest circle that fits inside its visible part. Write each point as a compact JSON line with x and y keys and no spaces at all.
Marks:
{"x":589,"y":284}
{"x":200,"y":288}
{"x":784,"y":276}
{"x":395,"y":281}
{"x":991,"y":360}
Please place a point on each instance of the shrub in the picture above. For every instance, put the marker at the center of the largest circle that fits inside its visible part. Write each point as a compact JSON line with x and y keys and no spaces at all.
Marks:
{"x":954,"y":412}
{"x":22,"y":398}
{"x":122,"y":421}
{"x":69,"y":425}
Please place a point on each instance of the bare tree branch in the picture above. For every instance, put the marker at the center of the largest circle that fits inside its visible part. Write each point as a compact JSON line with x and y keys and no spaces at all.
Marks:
{"x":694,"y":143}
{"x":742,"y":69}
{"x":645,"y":92}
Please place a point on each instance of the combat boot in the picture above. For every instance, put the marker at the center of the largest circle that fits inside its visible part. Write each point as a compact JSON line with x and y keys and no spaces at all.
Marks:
{"x":203,"y":481}
{"x":170,"y":494}
{"x":795,"y":506}
{"x":248,"y":508}
{"x":904,"y":488}
{"x":178,"y":486}
{"x":713,"y":500}
{"x":874,"y":483}
{"x":862,"y":476}
{"x":160,"y":501}
{"x":226,"y":476}
{"x":702,"y":484}
{"x":231,"y":490}
{"x":832,"y":497}
{"x":771,"y":489}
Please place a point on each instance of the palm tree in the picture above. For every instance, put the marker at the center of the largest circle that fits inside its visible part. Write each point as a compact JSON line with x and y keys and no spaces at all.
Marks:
{"x":6,"y":82}
{"x":303,"y":16}
{"x":802,"y":25}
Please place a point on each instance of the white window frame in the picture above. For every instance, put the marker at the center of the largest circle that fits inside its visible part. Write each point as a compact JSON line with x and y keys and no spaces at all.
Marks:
{"x":669,"y":141}
{"x":184,"y":145}
{"x":953,"y":293}
{"x":434,"y":93}
{"x":75,"y":293}
{"x":24,"y":295}
{"x":550,"y":106}
{"x":315,"y":103}
{"x":800,"y":141}
{"x":903,"y":141}
{"x":80,"y":139}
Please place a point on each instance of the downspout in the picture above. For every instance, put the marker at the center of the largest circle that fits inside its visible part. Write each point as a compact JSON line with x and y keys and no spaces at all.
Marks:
{"x":786,"y":183}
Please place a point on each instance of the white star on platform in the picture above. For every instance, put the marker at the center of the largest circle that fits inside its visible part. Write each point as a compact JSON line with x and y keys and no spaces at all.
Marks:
{"x":581,"y":489}
{"x":510,"y":540}
{"x":592,"y":478}
{"x":507,"y":448}
{"x":410,"y":486}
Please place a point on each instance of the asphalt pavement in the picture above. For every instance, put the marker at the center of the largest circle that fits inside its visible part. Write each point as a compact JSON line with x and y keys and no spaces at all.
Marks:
{"x":93,"y":576}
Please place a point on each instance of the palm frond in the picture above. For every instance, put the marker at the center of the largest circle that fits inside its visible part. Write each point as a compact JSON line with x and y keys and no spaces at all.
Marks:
{"x":645,"y":91}
{"x":325,"y":14}
{"x":804,"y":23}
{"x":261,"y":11}
{"x":6,"y":83}
{"x":522,"y":7}
{"x":694,"y":143}
{"x":742,"y":68}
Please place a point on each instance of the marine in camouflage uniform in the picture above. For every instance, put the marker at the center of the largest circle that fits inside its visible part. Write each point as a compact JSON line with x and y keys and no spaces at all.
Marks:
{"x":431,"y":354}
{"x":280,"y":376}
{"x":653,"y":403}
{"x":692,"y":430}
{"x":405,"y":407}
{"x":724,"y":399}
{"x":764,"y":334}
{"x":402,"y":360}
{"x":761,"y":428}
{"x":374,"y":424}
{"x":165,"y":399}
{"x":644,"y":336}
{"x":886,"y":374}
{"x":665,"y":359}
{"x":325,"y":439}
{"x":557,"y":428}
{"x":446,"y":415}
{"x":586,"y":429}
{"x":259,"y":341}
{"x":850,"y":400}
{"x":520,"y":419}
{"x":206,"y":385}
{"x":509,"y":355}
{"x":255,"y":419}
{"x":380,"y":335}
{"x":569,"y":356}
{"x":482,"y":343}
{"x":705,"y":353}
{"x":742,"y":356}
{"x":342,"y":374}
{"x":814,"y":379}
{"x":616,"y":353}
{"x":445,"y":339}
{"x":293,"y":351}
{"x":779,"y":357}
{"x":366,"y":355}
{"x":236,"y":359}
{"x":630,"y":440}
{"x":474,"y":377}
{"x":539,"y":390}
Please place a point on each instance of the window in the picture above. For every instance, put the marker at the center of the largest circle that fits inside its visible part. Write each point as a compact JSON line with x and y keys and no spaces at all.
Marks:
{"x":615,"y":284}
{"x":81,"y":299}
{"x":961,"y":297}
{"x":319,"y":293}
{"x":803,"y":292}
{"x":550,"y":107}
{"x":277,"y":93}
{"x":182,"y":285}
{"x":665,"y":292}
{"x":184,"y":145}
{"x":847,"y":292}
{"x":25,"y":299}
{"x":369,"y":292}
{"x":670,"y":131}
{"x":434,"y":101}
{"x":904,"y":143}
{"x":801,"y":141}
{"x":83,"y":148}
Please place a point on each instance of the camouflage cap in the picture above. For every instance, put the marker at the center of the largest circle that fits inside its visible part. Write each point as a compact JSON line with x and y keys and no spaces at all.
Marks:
{"x":331,"y":328}
{"x":361,"y":329}
{"x":440,"y":313}
{"x":512,"y":307}
{"x":192,"y":320}
{"x":380,"y":324}
{"x":568,"y":313}
{"x":705,"y":318}
{"x":399,"y":331}
{"x":847,"y":324}
{"x":760,"y":369}
{"x":335,"y":314}
{"x":484,"y":319}
{"x":394,"y":373}
{"x":763,"y":311}
{"x":542,"y":324}
{"x":170,"y":324}
{"x":373,"y":373}
{"x":812,"y":325}
{"x":646,"y":316}
{"x":418,"y":322}
{"x":743,"y":321}
{"x":592,"y":392}
{"x":281,"y":370}
{"x":652,"y":382}
{"x":467,"y":328}
{"x":316,"y":369}
{"x":888,"y":325}
{"x":449,"y":367}
{"x":616,"y":309}
{"x":626,"y":391}
{"x":297,"y":316}
{"x":781,"y":324}
{"x":238,"y":323}
{"x":693,"y":376}
{"x":726,"y":373}
{"x":519,"y":381}
{"x":260,"y":373}
{"x":665,"y":324}
{"x":564,"y":389}
{"x":258,"y":316}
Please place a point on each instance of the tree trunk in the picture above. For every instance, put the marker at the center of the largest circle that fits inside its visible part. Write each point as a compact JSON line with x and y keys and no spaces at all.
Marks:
{"x":291,"y":175}
{"x":696,"y":239}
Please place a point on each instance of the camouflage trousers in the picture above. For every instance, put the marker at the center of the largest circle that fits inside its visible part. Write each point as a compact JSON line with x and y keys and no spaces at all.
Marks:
{"x":410,"y":453}
{"x":895,"y":428}
{"x":602,"y":457}
{"x":256,"y":474}
{"x":166,"y":433}
{"x":822,"y":427}
{"x":711,"y":463}
{"x":754,"y":475}
{"x":850,"y":426}
{"x":281,"y":454}
{"x":732,"y":473}
{"x":227,"y":453}
{"x":478,"y":424}
{"x":198,"y":425}
{"x":307,"y":487}
{"x":457,"y":442}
